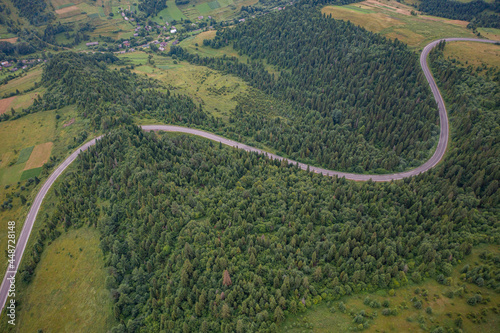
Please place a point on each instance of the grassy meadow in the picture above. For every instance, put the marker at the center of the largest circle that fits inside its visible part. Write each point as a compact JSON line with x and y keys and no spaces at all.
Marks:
{"x":70,"y":287}
{"x":394,"y":20}
{"x":21,"y":83}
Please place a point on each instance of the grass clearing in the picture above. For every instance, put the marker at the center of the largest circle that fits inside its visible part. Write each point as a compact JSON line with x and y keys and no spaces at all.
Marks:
{"x":393,"y":20}
{"x":27,"y":131}
{"x":214,"y":90}
{"x":11,"y":175}
{"x":18,"y":139}
{"x":26,"y":100}
{"x":22,"y":83}
{"x":408,"y":319}
{"x":39,"y":156}
{"x":5,"y":104}
{"x":24,"y":155}
{"x":169,"y":14}
{"x":68,"y":291}
{"x":476,"y":54}
{"x":31,"y":173}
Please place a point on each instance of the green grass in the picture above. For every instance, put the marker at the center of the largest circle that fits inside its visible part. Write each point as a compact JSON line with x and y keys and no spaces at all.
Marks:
{"x":31,"y":173}
{"x":65,"y":5}
{"x":204,"y":8}
{"x":68,"y":291}
{"x":11,"y":175}
{"x":225,"y":3}
{"x":359,"y":10}
{"x":214,"y":4}
{"x":416,"y":31}
{"x":24,"y":155}
{"x":27,"y":131}
{"x":475,"y":54}
{"x":172,"y":12}
{"x":22,"y":83}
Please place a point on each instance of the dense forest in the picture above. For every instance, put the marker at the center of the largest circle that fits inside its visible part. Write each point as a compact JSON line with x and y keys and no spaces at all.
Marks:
{"x":111,"y":97}
{"x":152,"y":7}
{"x":34,"y":10}
{"x":200,"y":237}
{"x":478,"y":12}
{"x":355,"y":134}
{"x":346,"y":113}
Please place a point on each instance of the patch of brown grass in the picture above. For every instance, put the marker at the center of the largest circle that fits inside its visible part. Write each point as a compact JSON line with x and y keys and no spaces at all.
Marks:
{"x":375,"y":22}
{"x":10,"y":40}
{"x":39,"y":156}
{"x":5,"y":104}
{"x":67,"y":10}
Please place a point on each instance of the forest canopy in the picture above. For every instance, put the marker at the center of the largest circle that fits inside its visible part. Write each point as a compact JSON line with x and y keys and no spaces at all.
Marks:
{"x":479,"y":12}
{"x":358,"y":101}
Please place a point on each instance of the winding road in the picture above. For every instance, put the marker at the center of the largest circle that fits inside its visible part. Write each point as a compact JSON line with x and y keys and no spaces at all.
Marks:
{"x":438,"y":155}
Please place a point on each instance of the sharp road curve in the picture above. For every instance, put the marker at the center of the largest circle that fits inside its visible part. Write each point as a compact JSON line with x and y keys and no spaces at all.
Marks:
{"x":436,"y":157}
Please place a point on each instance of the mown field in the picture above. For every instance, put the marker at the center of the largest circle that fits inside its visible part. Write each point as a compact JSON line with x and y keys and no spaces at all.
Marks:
{"x":444,"y":311}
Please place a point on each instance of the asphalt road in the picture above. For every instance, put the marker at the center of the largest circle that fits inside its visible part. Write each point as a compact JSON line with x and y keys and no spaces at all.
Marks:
{"x":438,"y":155}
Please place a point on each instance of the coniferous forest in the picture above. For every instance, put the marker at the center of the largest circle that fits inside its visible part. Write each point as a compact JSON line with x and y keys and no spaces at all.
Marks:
{"x":359,"y":102}
{"x":479,"y":13}
{"x":200,"y":237}
{"x":351,"y":100}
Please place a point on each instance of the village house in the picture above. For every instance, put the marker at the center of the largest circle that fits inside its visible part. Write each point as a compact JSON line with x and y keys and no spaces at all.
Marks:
{"x":92,"y":43}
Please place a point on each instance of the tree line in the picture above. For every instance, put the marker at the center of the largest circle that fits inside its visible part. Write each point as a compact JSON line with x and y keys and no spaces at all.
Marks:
{"x":478,"y":12}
